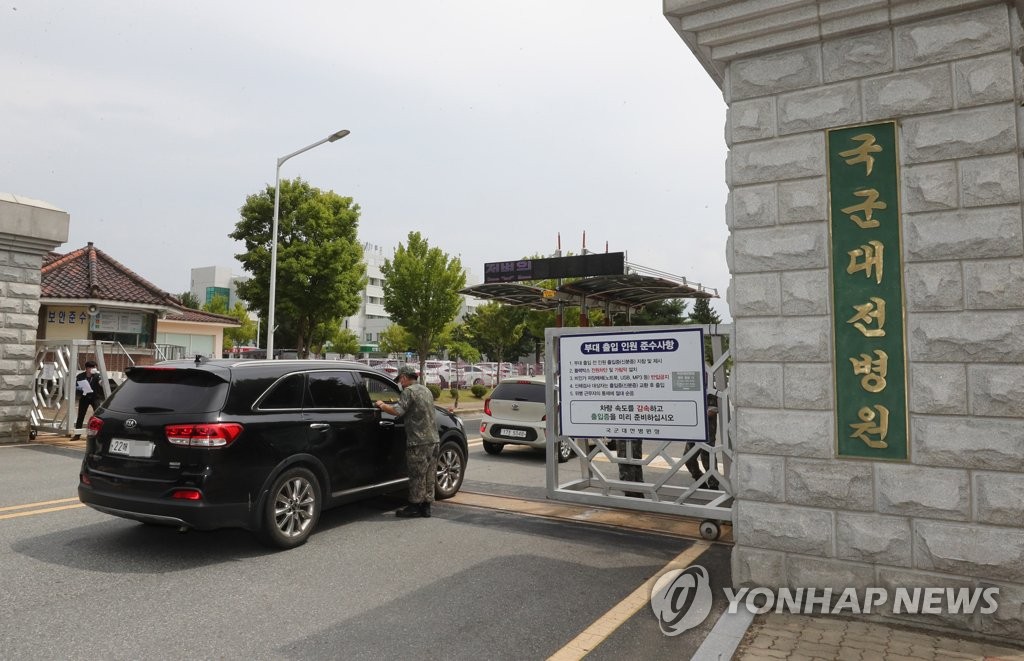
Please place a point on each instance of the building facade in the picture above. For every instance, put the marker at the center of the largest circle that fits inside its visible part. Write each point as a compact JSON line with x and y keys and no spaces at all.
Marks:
{"x":207,"y":282}
{"x":371,"y":319}
{"x":943,"y":79}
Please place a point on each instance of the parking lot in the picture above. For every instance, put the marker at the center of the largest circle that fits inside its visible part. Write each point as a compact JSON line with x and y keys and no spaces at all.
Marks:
{"x":496,"y":573}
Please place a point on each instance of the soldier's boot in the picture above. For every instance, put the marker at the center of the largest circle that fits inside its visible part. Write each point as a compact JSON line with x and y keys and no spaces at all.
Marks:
{"x":408,"y":512}
{"x":425,"y":510}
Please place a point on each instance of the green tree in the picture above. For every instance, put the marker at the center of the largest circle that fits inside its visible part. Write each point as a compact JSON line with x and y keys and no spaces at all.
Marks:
{"x":333,"y":336}
{"x":394,"y":339}
{"x":421,"y":291}
{"x":703,"y":313}
{"x":233,"y":337}
{"x":496,"y":329}
{"x":189,"y":300}
{"x":660,"y":313}
{"x":320,"y":270}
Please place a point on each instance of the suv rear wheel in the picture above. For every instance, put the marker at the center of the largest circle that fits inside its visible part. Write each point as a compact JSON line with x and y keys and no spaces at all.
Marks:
{"x":451,"y":469}
{"x":292,"y":509}
{"x":493,"y":448}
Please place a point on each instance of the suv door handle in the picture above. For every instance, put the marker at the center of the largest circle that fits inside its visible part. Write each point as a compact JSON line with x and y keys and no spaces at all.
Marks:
{"x":318,"y":425}
{"x":387,"y":423}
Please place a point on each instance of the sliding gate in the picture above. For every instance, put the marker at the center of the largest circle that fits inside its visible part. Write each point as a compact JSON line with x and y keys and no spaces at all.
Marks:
{"x":630,"y":403}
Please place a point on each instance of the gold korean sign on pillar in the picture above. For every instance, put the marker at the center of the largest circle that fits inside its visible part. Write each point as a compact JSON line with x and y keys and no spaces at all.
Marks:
{"x":867,"y":292}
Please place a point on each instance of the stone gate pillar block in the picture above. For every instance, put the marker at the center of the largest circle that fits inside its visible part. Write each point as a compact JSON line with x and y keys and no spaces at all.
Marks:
{"x":944,"y":77}
{"x":28,"y":230}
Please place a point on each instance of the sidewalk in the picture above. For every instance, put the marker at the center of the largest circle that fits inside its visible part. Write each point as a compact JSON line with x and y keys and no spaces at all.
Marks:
{"x":804,"y":638}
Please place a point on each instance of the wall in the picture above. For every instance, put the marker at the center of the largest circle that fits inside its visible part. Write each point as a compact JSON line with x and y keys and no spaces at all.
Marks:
{"x":953,"y":515}
{"x":202,"y":338}
{"x":64,"y":322}
{"x":28,"y":229}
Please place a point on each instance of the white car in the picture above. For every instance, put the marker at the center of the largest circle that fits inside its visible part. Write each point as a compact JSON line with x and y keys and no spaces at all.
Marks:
{"x":473,"y":375}
{"x":515,"y":414}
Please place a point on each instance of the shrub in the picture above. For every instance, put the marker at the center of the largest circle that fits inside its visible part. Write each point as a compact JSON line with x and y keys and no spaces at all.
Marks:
{"x":435,"y":390}
{"x":478,"y":390}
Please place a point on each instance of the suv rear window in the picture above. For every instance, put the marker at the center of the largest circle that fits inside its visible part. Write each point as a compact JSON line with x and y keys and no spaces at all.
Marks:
{"x":519,"y":391}
{"x":166,"y":390}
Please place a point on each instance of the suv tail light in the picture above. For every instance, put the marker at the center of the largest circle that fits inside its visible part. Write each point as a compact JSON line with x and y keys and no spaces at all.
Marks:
{"x":207,"y":435}
{"x":94,"y":427}
{"x":487,"y":406}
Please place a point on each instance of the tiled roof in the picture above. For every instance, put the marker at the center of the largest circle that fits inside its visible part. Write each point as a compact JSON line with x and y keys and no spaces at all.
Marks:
{"x":188,"y":314}
{"x":90,"y":274}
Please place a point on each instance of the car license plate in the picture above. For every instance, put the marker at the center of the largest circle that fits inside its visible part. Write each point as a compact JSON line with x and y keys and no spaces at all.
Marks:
{"x":513,"y":433}
{"x":130,"y":448}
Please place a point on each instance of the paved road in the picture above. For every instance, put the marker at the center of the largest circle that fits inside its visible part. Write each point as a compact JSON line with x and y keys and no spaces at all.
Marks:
{"x":470,"y":583}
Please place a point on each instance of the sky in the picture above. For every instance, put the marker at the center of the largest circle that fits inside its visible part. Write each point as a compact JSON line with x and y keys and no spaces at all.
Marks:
{"x":490,"y":128}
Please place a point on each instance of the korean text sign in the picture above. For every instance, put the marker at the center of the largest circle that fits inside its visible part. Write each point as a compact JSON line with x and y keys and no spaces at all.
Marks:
{"x":637,"y":385}
{"x":867,"y":292}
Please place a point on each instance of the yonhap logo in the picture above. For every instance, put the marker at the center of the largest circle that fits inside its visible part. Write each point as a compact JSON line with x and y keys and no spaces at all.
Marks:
{"x":681,"y":599}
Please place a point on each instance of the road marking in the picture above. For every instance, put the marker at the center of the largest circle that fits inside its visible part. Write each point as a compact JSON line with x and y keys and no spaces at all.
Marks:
{"x":39,"y":504}
{"x":605,"y":626}
{"x":42,"y":511}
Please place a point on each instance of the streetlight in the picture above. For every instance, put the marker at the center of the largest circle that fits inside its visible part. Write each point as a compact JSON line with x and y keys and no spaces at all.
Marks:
{"x":273,"y":246}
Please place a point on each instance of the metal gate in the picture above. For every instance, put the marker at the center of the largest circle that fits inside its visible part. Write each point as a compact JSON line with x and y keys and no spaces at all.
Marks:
{"x":644,"y":475}
{"x":54,"y":406}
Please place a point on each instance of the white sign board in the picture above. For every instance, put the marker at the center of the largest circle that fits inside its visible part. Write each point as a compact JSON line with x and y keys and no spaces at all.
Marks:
{"x":646,"y":385}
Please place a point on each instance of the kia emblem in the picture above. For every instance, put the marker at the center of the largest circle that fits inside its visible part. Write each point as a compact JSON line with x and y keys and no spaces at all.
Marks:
{"x":131,"y":423}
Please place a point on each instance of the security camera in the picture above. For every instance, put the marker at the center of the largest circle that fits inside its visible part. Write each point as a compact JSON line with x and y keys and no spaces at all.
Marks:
{"x":93,"y":310}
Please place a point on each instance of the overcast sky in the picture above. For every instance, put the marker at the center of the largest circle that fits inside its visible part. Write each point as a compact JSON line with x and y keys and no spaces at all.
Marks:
{"x":489,"y":127}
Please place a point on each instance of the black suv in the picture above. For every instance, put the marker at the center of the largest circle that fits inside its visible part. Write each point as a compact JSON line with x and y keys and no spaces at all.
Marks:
{"x":257,"y":444}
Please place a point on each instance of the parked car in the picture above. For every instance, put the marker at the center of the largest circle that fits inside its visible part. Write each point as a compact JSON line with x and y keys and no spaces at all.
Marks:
{"x":474,"y":375}
{"x":516,"y":414}
{"x":507,"y":371}
{"x":256,"y":444}
{"x":438,"y":372}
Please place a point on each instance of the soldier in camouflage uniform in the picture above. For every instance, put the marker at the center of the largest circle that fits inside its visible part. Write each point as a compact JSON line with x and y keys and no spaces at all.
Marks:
{"x":416,"y":407}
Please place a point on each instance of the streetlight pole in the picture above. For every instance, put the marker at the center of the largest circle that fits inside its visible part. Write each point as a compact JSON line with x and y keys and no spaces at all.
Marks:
{"x":273,"y":245}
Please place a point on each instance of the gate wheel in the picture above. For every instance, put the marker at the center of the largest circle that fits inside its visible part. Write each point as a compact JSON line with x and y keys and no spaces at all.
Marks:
{"x":709,"y":529}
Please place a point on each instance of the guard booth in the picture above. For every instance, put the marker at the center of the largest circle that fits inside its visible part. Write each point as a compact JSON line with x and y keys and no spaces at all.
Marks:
{"x":631,"y":404}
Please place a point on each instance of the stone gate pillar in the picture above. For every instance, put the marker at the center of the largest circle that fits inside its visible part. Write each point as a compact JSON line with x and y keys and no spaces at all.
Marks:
{"x":816,"y":505}
{"x":28,"y":230}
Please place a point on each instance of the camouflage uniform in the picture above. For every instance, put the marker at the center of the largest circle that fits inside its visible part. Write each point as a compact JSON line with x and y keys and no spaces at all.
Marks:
{"x":416,"y":408}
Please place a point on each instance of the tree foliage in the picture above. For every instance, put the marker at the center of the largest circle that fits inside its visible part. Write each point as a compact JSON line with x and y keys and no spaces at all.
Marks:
{"x":233,"y":337}
{"x":703,"y":313}
{"x":421,"y":291}
{"x":320,"y":270}
{"x":394,"y":339}
{"x":333,"y":336}
{"x":189,"y":300}
{"x":660,"y":313}
{"x":496,"y":329}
